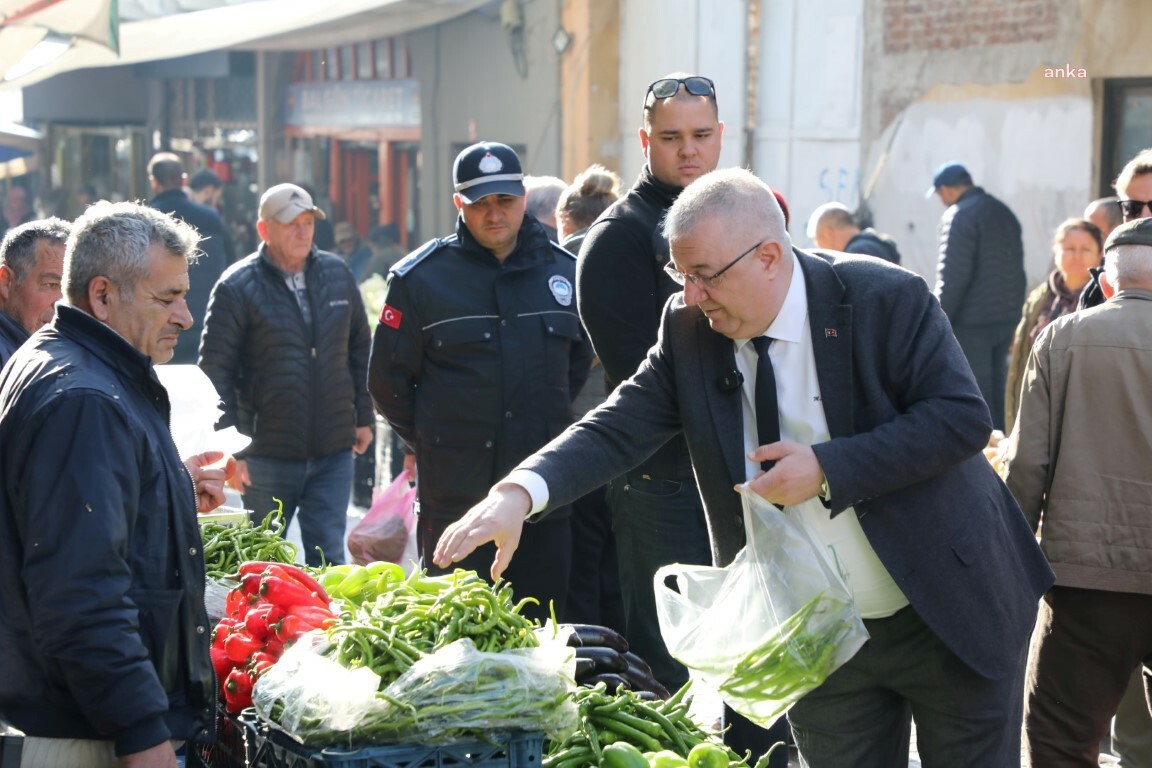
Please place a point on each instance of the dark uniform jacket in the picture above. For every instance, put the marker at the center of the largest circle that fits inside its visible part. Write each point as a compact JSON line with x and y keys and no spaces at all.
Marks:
{"x":622,"y":286}
{"x":871,"y":243}
{"x":12,"y":335}
{"x":215,"y":256}
{"x":297,"y":389}
{"x":102,"y":619}
{"x":980,"y":275}
{"x":475,"y":363}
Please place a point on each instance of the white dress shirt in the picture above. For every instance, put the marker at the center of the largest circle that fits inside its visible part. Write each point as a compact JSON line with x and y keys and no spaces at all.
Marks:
{"x":802,"y":421}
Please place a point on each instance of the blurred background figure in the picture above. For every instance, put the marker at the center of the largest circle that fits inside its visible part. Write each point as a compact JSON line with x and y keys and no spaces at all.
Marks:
{"x":31,"y":270}
{"x":386,"y":249}
{"x":17,"y":208}
{"x":206,"y":188}
{"x":324,"y":235}
{"x":1105,"y":214}
{"x":543,"y":194}
{"x":832,"y":227}
{"x":355,"y":252}
{"x":594,"y":586}
{"x":1077,"y":247}
{"x":85,"y":196}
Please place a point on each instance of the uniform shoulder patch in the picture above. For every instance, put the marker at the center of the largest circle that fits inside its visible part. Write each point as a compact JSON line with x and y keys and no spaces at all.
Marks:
{"x":406,"y":264}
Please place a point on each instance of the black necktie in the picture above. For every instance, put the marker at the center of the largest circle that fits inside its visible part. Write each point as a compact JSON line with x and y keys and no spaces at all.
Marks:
{"x":767,"y":412}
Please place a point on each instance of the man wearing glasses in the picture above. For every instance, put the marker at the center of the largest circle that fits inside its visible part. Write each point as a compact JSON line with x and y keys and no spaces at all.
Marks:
{"x":657,"y":516}
{"x":1134,"y":187}
{"x":878,"y":416}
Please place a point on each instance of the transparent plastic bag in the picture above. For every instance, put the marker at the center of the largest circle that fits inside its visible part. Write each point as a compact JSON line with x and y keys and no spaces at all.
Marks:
{"x":456,"y":693}
{"x":385,"y":531}
{"x":769,"y":627}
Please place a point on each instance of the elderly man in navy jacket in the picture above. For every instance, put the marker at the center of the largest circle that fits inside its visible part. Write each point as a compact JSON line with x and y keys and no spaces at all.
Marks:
{"x":878,"y":416}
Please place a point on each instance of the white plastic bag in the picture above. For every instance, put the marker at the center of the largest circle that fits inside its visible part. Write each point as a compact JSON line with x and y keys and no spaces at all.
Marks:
{"x":769,"y":627}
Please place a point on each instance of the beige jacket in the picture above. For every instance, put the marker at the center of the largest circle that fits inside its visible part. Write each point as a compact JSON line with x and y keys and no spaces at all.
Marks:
{"x":1080,"y":456}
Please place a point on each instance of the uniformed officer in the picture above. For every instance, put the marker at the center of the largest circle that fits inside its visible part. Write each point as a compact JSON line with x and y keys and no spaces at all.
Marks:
{"x":476,"y":359}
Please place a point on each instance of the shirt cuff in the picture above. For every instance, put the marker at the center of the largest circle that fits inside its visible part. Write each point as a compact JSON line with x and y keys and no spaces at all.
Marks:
{"x":535,"y":485}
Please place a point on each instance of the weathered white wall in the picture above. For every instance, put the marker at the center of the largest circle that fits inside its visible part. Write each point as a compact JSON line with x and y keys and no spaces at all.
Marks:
{"x":705,"y":37}
{"x":1033,"y":154}
{"x":808,"y":106}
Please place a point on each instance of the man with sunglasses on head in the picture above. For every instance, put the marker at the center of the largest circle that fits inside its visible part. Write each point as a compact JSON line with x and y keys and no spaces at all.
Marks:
{"x":848,"y":383}
{"x":657,"y":515}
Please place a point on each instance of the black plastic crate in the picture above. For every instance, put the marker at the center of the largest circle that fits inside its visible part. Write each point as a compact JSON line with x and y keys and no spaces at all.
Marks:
{"x":229,"y":750}
{"x":269,"y":748}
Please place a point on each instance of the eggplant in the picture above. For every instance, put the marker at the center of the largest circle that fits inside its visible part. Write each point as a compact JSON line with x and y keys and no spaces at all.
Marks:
{"x":641,"y":682}
{"x":638,"y":663}
{"x":612,"y":680}
{"x":584,"y":667}
{"x":585,"y":635}
{"x":603,"y":659}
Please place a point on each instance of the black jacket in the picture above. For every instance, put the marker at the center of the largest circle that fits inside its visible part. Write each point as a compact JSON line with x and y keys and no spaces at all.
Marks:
{"x":980,"y":275}
{"x":215,"y":256}
{"x":622,"y":286}
{"x":297,"y":389}
{"x":871,"y":243}
{"x":12,"y":335}
{"x":102,"y":616}
{"x":475,"y":363}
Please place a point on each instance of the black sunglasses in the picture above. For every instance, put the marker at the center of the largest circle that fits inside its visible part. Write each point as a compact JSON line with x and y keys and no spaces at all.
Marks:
{"x":667,"y":87}
{"x":1133,"y":208}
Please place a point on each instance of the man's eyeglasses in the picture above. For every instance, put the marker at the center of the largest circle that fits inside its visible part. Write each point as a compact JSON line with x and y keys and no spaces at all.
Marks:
{"x":709,"y":281}
{"x":668,"y":87}
{"x":1133,"y":208}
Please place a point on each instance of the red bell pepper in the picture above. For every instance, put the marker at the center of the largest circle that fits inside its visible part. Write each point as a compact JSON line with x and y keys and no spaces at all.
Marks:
{"x":287,"y":593}
{"x":260,"y":619}
{"x":240,"y":646}
{"x":221,"y":663}
{"x":238,"y":690}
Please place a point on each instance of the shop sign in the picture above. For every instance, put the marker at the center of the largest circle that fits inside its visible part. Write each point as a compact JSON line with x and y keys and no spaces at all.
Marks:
{"x":354,"y":103}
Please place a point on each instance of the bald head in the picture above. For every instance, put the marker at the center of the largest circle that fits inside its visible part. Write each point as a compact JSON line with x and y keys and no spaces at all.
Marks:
{"x":831,"y":226}
{"x":1105,"y":214}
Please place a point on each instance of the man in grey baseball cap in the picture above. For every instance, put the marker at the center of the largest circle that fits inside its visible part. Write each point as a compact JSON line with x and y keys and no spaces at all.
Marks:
{"x":284,"y":202}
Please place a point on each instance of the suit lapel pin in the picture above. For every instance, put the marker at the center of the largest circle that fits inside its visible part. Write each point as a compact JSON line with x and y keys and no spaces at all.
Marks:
{"x":829,"y":333}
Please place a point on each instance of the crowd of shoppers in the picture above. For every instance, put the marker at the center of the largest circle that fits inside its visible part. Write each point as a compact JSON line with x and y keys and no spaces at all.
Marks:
{"x":606,"y":368}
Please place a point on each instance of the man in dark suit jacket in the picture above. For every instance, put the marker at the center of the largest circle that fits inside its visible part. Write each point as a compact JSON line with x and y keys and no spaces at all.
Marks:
{"x":168,"y":177}
{"x":944,"y":569}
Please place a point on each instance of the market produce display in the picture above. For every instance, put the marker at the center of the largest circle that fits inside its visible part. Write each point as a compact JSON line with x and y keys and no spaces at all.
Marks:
{"x":227,"y":545}
{"x":602,"y":656}
{"x":623,"y":729}
{"x":273,"y":605}
{"x":428,"y":658}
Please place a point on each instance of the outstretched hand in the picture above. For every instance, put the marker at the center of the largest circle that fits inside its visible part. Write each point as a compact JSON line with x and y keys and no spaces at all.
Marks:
{"x":796,"y":477}
{"x":498,"y":518}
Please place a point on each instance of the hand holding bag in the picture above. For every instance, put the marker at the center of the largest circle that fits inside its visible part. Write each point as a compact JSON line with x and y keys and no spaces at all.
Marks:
{"x":766,"y":629}
{"x":384,"y":532}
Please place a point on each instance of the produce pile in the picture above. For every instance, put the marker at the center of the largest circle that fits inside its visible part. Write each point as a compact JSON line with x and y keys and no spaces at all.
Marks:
{"x":228,"y":545}
{"x":421,"y":658}
{"x":626,"y":729}
{"x":602,"y":657}
{"x":273,"y":606}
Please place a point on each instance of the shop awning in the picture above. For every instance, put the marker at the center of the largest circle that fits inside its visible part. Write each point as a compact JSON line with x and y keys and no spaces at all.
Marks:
{"x":54,"y":25}
{"x":255,"y":25}
{"x":18,"y":145}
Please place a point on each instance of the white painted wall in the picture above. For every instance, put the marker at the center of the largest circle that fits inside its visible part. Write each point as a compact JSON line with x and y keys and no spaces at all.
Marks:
{"x":705,"y":37}
{"x":1033,"y":154}
{"x":808,"y":121}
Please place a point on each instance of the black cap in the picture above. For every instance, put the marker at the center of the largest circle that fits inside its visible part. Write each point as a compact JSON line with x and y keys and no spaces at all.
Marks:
{"x":486,"y":169}
{"x":1137,"y":232}
{"x":949,"y":175}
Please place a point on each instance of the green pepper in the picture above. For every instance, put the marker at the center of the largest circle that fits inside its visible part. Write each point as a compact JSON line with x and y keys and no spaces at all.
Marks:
{"x":621,"y":754}
{"x":666,"y":758}
{"x":708,"y":755}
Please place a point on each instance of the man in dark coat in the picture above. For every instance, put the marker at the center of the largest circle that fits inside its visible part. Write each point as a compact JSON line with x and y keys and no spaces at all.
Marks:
{"x":879,"y":419}
{"x":980,"y":279}
{"x":167,"y":175}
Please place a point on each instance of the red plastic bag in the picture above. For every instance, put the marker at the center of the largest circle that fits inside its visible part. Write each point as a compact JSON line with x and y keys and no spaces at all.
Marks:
{"x":384,"y":532}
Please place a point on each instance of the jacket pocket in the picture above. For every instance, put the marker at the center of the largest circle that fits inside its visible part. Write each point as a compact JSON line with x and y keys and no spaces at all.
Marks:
{"x":160,"y":631}
{"x":463,"y":332}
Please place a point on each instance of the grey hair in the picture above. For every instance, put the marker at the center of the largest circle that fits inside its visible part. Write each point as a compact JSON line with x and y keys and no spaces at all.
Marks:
{"x":18,"y":251}
{"x":543,"y":193}
{"x":733,"y":195}
{"x":112,"y":240}
{"x":835,"y":215}
{"x":1128,"y":263}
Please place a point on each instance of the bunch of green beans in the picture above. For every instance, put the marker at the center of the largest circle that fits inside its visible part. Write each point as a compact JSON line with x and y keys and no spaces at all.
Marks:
{"x":651,"y":725}
{"x":422,"y":614}
{"x":227,"y":545}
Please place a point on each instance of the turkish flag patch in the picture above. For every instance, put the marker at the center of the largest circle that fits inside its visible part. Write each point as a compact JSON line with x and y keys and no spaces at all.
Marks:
{"x":390,"y":316}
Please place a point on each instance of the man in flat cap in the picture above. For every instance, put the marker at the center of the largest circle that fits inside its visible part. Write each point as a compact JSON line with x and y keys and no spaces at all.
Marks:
{"x":286,"y":343}
{"x":1078,"y":464}
{"x":980,"y":279}
{"x":476,"y":359}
